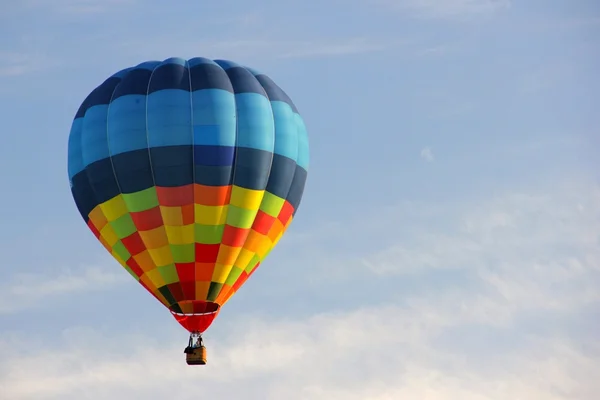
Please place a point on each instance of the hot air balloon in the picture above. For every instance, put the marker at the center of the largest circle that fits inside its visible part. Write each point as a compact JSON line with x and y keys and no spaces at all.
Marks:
{"x":188,"y":172}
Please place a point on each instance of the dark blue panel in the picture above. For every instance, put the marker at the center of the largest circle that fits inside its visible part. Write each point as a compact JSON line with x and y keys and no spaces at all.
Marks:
{"x":83,"y":194}
{"x":209,"y":76}
{"x":169,"y":76}
{"x":274,"y":92}
{"x":281,"y":176}
{"x":135,"y":82}
{"x":214,"y":155}
{"x":102,"y":180}
{"x":133,"y":170}
{"x":297,"y":188}
{"x":252,"y":168}
{"x":101,"y":95}
{"x":213,"y":176}
{"x":172,"y":165}
{"x":243,"y":81}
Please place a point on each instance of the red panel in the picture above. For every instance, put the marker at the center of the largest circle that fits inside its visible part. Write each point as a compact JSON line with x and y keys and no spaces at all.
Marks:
{"x":240,"y":281}
{"x":176,"y":291}
{"x":134,"y":266}
{"x":186,"y":271}
{"x":263,"y":222}
{"x":189,"y":290}
{"x":147,"y":220}
{"x":207,"y":253}
{"x":134,"y":244}
{"x":212,"y":195}
{"x":93,"y":228}
{"x":204,"y":271}
{"x":234,"y":237}
{"x":200,"y":322}
{"x":286,"y":212}
{"x":175,"y":196}
{"x":187,"y":213}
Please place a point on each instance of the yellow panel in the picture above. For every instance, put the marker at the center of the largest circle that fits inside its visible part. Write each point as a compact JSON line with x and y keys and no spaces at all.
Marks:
{"x":220,"y":273}
{"x":114,"y":208}
{"x":244,"y":258}
{"x":144,"y":279}
{"x":105,"y":244}
{"x":264,"y":246}
{"x":97,"y":217}
{"x":252,"y":241}
{"x":145,"y":261}
{"x":246,"y":198}
{"x":162,"y":256}
{"x":109,"y":235}
{"x":180,"y":234}
{"x":202,"y":290}
{"x":187,"y":307}
{"x":227,"y":254}
{"x":172,"y":215}
{"x":210,"y":215}
{"x":155,"y":238}
{"x":156,"y":278}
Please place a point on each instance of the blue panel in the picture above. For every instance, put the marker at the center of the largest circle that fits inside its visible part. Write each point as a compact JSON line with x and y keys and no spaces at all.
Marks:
{"x":286,"y":131}
{"x":214,"y":155}
{"x":252,"y":168}
{"x":297,"y":188}
{"x":281,"y":176}
{"x":209,"y":76}
{"x":212,"y":176}
{"x":172,"y":166}
{"x":169,"y":119}
{"x":93,"y":139}
{"x":83,"y":194}
{"x":192,"y":62}
{"x":101,"y":95}
{"x":75,"y":159}
{"x":135,"y":82}
{"x":126,"y":125}
{"x":243,"y":81}
{"x":274,"y":92}
{"x":256,"y":128}
{"x":227,"y":64}
{"x":214,"y":117}
{"x":169,"y":76}
{"x":102,"y":180}
{"x":175,"y":61}
{"x":303,"y":153}
{"x":133,"y":171}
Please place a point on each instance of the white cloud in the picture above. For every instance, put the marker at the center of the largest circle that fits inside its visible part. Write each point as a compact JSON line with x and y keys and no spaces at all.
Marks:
{"x":427,"y":154}
{"x":31,"y":290}
{"x":447,"y":8}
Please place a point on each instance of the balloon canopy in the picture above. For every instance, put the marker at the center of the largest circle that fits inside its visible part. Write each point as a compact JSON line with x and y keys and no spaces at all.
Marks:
{"x":188,"y":172}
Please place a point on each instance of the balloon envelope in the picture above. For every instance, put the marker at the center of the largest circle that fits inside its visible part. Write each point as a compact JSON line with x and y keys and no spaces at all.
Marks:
{"x":188,"y":172}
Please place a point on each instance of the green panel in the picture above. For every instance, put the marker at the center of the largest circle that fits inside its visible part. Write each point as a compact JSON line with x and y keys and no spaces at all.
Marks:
{"x":120,"y":249}
{"x":167,"y":295}
{"x":142,"y":200}
{"x":123,"y":226}
{"x":183,"y":253}
{"x":169,"y":273}
{"x":213,"y":291}
{"x":271,"y":204}
{"x":208,"y":234}
{"x":240,"y":217}
{"x":233,"y":276}
{"x":255,"y":260}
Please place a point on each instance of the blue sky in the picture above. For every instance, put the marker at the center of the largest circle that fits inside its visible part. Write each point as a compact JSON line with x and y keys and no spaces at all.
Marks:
{"x":447,"y":246}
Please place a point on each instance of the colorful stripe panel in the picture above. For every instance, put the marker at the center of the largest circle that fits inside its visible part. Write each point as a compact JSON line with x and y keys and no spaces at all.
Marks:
{"x":188,"y":172}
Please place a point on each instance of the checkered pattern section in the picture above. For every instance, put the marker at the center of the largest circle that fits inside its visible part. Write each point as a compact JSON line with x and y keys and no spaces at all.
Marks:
{"x":188,"y":172}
